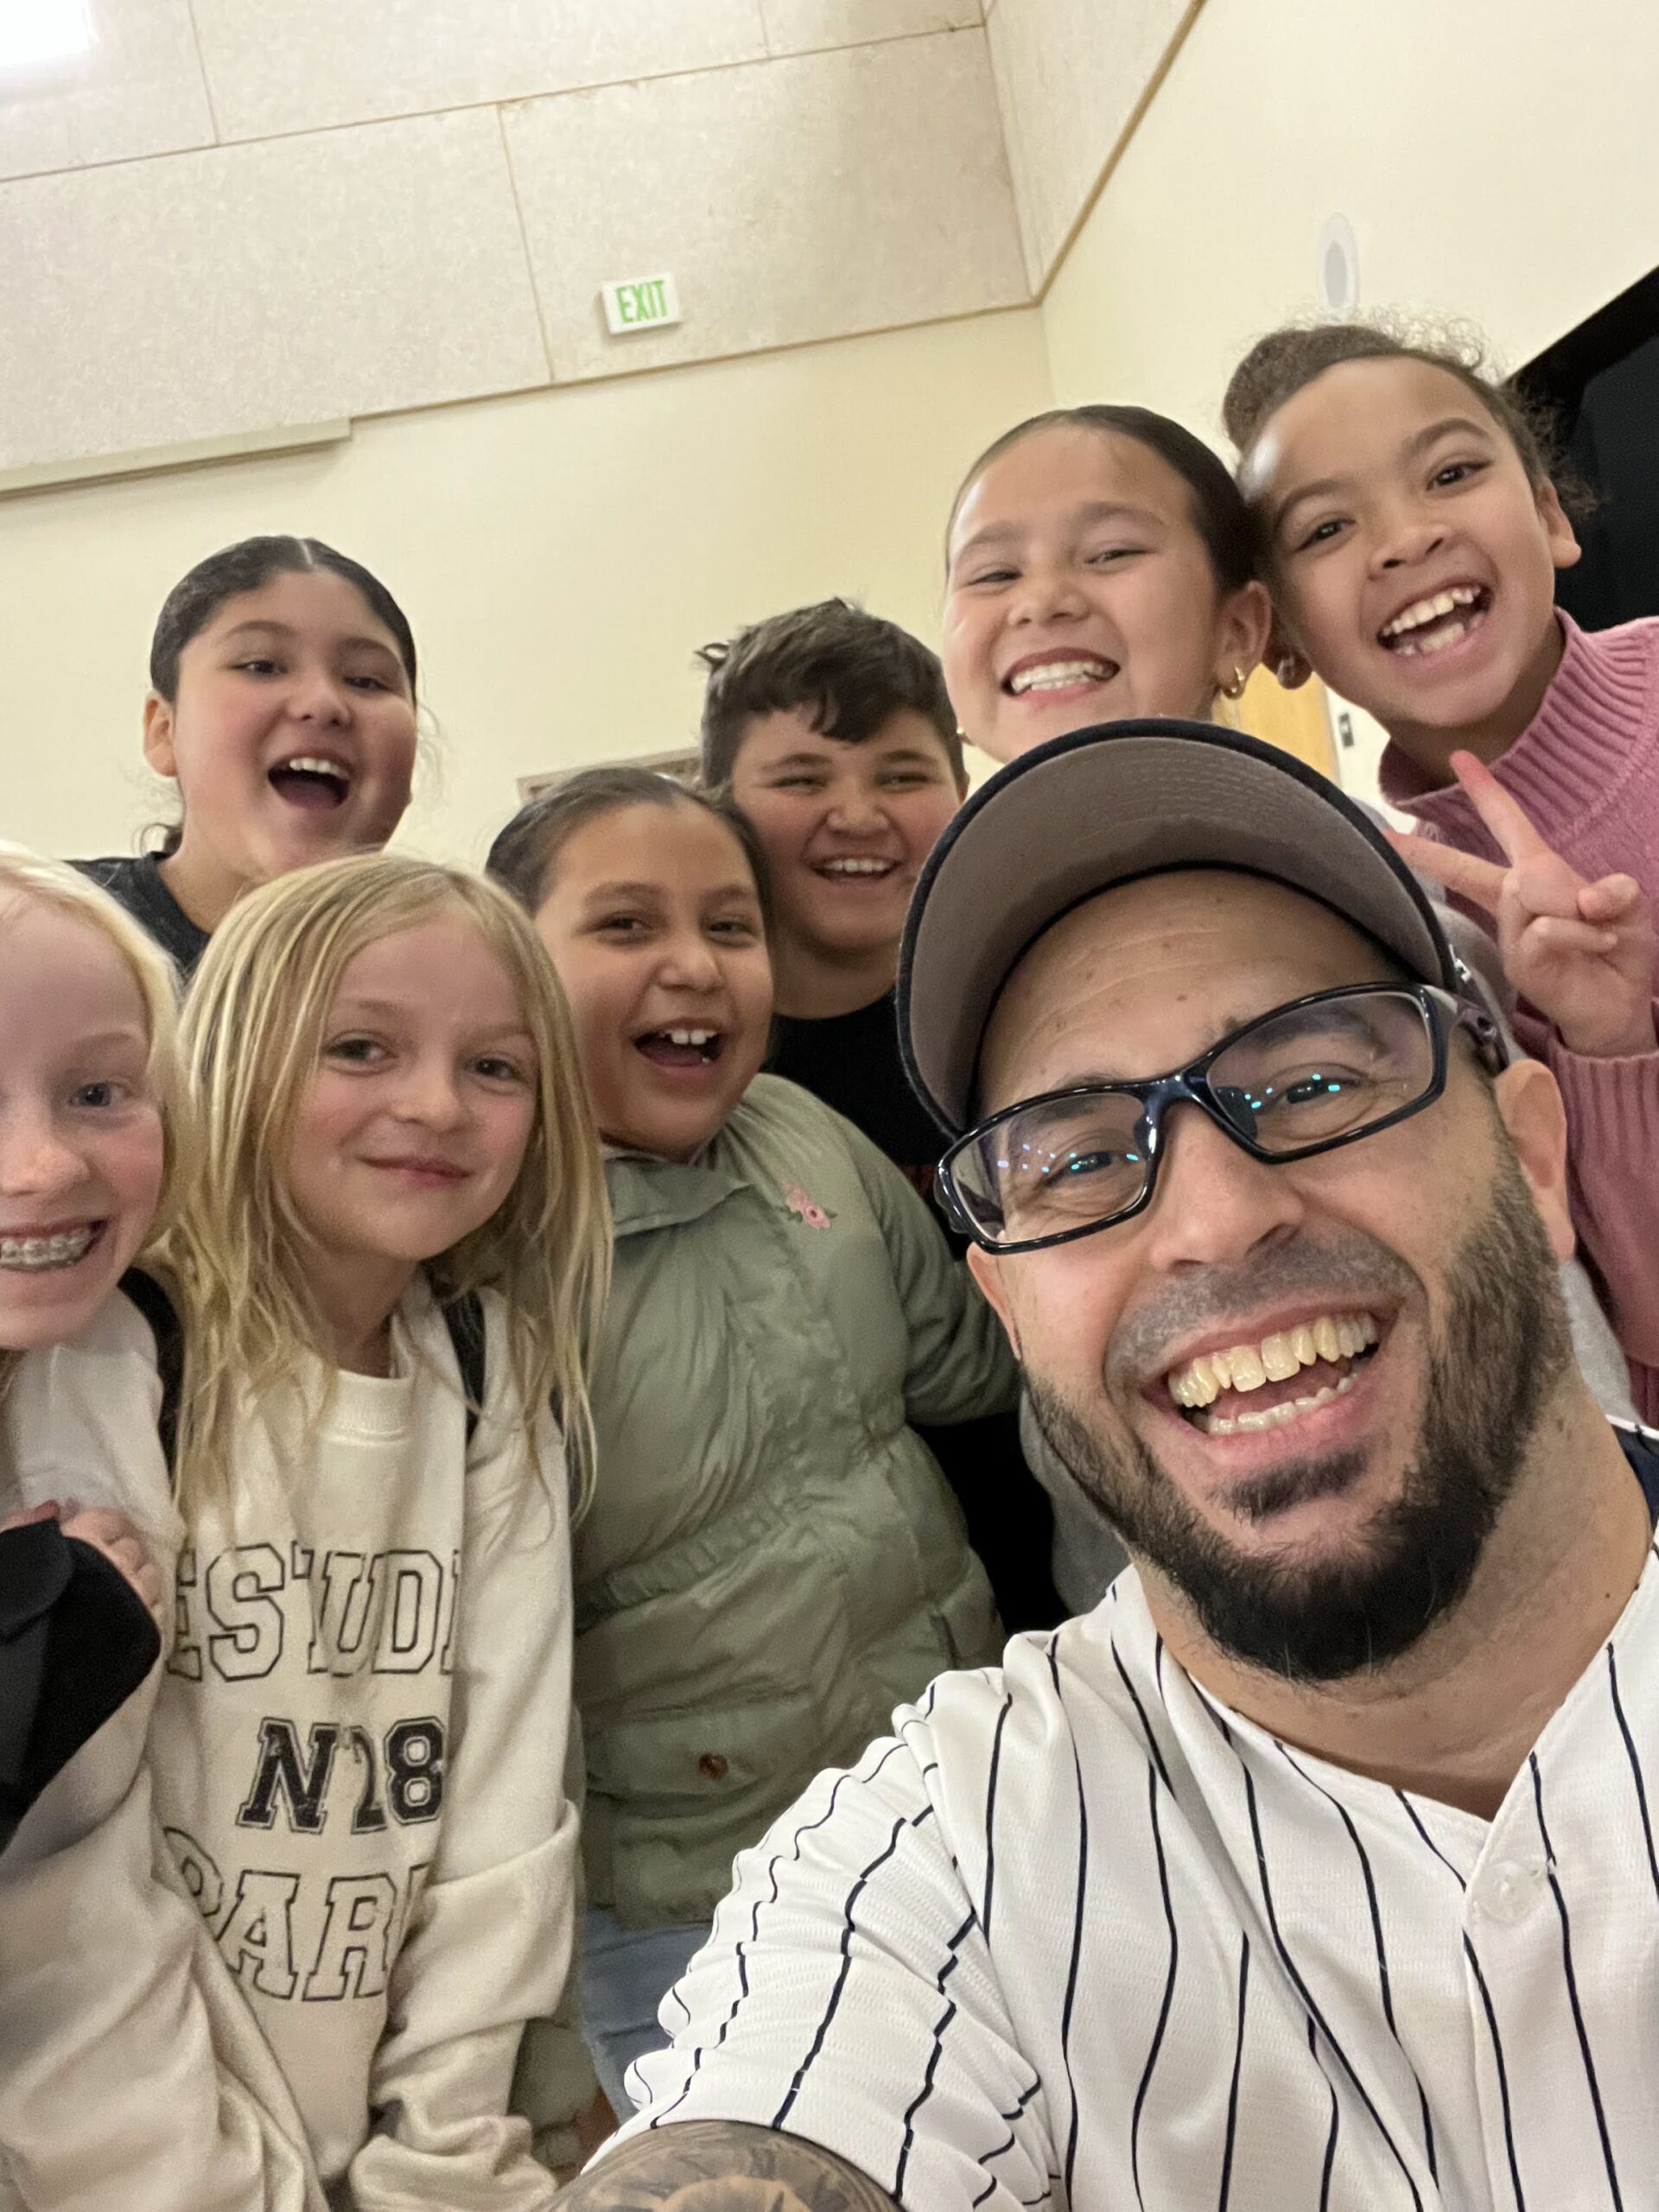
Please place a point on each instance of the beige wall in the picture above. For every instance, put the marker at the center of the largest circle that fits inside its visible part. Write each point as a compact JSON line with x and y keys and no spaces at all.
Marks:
{"x":209,"y":227}
{"x":562,"y":551}
{"x":1070,"y":75}
{"x":560,"y":554}
{"x":1496,"y":157}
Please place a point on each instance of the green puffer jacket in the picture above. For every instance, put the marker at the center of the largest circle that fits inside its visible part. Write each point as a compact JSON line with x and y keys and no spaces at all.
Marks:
{"x":772,"y":1560}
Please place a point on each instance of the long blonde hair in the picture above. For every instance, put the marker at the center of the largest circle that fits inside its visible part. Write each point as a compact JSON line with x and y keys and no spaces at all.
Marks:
{"x":27,"y":880}
{"x":254,"y":1035}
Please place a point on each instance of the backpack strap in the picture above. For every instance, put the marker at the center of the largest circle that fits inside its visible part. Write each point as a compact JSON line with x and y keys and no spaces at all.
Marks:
{"x":464,"y":1319}
{"x":153,"y":1302}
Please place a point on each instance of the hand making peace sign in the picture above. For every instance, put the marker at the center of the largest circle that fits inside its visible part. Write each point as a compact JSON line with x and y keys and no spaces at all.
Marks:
{"x":1581,"y":953}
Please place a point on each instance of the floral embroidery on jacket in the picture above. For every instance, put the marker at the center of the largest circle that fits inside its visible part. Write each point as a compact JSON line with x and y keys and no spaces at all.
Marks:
{"x":809,"y":1209}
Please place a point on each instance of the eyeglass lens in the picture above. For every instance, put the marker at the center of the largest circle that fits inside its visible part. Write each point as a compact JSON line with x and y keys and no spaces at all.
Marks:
{"x":1300,"y":1078}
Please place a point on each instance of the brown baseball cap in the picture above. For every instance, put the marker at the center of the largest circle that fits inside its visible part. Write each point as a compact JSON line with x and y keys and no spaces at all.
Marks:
{"x":1101,"y":807}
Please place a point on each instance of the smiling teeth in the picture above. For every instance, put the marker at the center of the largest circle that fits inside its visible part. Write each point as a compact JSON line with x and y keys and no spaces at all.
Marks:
{"x":1423,"y":611}
{"x":40,"y":1255}
{"x":1280,"y":1416}
{"x":1275,"y":1359}
{"x":1053,"y":675}
{"x":316,"y":764}
{"x":859,"y":867}
{"x":1436,"y":642}
{"x":690,"y":1036}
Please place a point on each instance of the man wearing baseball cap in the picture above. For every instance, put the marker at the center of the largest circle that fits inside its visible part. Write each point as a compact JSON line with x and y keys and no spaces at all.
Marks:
{"x":1316,"y":1866}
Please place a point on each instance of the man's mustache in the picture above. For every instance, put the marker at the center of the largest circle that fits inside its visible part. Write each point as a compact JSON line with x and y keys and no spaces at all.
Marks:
{"x":1327,"y":1271}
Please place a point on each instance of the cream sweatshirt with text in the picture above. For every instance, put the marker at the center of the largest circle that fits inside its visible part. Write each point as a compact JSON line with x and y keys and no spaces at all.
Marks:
{"x":350,"y":1762}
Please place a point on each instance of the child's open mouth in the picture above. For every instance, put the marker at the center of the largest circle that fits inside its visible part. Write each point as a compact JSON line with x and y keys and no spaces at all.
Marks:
{"x":680,"y":1048}
{"x":1430,"y":624}
{"x":1274,"y":1383}
{"x":314,"y":782}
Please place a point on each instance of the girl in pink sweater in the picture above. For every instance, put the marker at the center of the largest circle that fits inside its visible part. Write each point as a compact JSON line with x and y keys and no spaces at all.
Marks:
{"x":1410,"y":534}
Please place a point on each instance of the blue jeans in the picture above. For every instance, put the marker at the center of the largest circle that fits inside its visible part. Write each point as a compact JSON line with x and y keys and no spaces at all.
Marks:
{"x":626,"y":1974}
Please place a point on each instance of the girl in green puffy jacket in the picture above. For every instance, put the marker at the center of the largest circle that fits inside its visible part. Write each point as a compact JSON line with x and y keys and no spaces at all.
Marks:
{"x":772,"y":1560}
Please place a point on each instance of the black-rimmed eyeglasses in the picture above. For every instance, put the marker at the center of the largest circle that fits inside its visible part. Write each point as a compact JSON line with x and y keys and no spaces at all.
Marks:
{"x":1318,"y":1072}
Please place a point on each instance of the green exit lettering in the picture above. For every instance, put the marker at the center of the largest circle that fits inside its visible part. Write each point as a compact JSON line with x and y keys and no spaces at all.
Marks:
{"x":644,"y":303}
{"x":638,"y":304}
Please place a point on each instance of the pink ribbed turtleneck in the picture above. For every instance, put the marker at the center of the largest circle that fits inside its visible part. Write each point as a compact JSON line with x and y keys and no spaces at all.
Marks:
{"x":1586,"y":771}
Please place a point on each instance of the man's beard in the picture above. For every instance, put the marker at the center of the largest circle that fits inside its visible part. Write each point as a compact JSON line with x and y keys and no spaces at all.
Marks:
{"x":1505,"y":1346}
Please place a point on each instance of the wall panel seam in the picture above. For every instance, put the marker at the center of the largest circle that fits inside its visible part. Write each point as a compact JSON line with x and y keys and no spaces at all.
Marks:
{"x":1120,"y":146}
{"x":848,"y":45}
{"x":772,"y":351}
{"x":542,"y":322}
{"x":220,"y":144}
{"x":498,"y":100}
{"x":769,"y":350}
{"x":206,"y":88}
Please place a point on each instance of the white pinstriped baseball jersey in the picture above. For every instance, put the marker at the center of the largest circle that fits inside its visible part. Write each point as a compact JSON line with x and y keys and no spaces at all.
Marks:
{"x":1077,"y":1936}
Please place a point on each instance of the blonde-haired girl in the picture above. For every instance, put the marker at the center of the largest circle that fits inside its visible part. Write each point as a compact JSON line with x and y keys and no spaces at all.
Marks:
{"x":95,"y":1144}
{"x":261,"y":1293}
{"x":387,"y":1268}
{"x":91,"y":1146}
{"x":87,"y":1003}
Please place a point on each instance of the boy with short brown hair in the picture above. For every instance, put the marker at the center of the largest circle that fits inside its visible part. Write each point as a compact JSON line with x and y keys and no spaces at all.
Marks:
{"x":831,"y":732}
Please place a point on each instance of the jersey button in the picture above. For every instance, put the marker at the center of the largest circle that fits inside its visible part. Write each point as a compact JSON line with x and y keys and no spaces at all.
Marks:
{"x":1509,"y":1890}
{"x":712,"y":1767}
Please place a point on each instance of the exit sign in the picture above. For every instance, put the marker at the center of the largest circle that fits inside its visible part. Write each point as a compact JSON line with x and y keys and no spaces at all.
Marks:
{"x":642,"y":303}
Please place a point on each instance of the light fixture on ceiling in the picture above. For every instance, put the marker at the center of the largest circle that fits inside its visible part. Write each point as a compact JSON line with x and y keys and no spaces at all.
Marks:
{"x":44,"y":30}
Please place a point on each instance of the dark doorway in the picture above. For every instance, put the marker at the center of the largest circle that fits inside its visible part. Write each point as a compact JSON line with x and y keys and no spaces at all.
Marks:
{"x":1602,"y":383}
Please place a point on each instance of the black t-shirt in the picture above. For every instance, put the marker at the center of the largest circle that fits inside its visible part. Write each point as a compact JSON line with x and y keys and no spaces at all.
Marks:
{"x":851,"y":1061}
{"x":139,"y":886}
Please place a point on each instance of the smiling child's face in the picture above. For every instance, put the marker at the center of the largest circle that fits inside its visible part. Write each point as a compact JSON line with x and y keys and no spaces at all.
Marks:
{"x":82,"y":1152}
{"x":845,"y":827}
{"x":654,"y":924}
{"x":1413,"y":560}
{"x":293,"y":734}
{"x":411,"y":1131}
{"x":1080,"y":589}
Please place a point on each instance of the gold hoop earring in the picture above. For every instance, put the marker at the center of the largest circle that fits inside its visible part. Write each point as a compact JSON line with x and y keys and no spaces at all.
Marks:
{"x":1236,"y":688}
